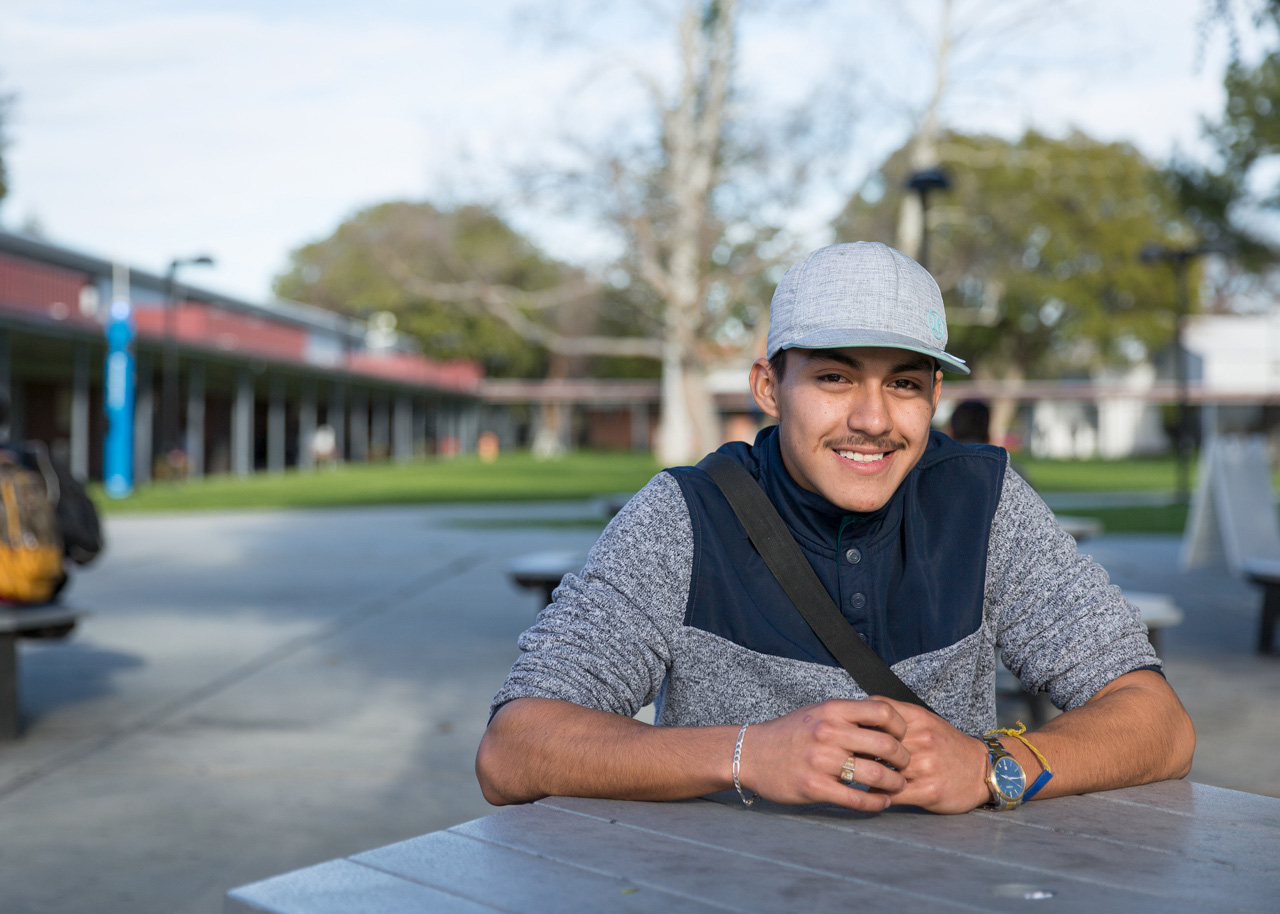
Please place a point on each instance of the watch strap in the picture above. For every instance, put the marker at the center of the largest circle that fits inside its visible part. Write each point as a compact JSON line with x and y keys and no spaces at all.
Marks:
{"x":996,"y":752}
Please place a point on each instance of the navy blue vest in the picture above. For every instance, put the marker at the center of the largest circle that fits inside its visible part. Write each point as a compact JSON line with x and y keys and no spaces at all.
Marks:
{"x":909,"y":577}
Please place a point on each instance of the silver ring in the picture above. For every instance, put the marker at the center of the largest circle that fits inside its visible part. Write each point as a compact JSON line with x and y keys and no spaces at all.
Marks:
{"x":846,"y":770}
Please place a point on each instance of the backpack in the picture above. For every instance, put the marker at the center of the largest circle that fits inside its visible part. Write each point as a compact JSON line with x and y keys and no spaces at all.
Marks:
{"x":30,"y":545}
{"x":78,"y":522}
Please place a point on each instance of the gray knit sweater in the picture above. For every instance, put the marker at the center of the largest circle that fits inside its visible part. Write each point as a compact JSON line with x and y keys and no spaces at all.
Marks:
{"x":614,"y":638}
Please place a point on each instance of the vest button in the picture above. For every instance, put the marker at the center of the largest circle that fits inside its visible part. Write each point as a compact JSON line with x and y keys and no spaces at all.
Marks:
{"x":853,"y":556}
{"x":857,"y":601}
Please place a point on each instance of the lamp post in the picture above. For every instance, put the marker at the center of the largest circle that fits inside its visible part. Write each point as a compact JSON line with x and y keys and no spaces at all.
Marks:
{"x":169,"y":438}
{"x":922,"y":182}
{"x":1179,"y":258}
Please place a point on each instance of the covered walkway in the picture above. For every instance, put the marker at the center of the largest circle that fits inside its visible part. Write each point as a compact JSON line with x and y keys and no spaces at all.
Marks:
{"x":223,"y":385}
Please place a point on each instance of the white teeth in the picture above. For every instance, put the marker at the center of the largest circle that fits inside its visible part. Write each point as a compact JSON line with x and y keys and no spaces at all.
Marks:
{"x":860,"y":458}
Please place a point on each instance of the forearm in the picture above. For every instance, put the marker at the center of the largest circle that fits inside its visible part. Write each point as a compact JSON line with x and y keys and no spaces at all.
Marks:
{"x":537,"y":747}
{"x":1134,"y":731}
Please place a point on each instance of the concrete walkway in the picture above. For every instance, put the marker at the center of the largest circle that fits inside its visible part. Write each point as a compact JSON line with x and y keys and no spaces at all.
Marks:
{"x":257,"y":692}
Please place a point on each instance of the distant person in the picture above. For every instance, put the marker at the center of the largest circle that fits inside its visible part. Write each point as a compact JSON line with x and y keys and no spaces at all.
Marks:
{"x":970,"y":423}
{"x":46,"y":520}
{"x":324,"y":445}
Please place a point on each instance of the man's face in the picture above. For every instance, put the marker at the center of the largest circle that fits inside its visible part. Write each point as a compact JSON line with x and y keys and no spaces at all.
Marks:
{"x":853,"y":421}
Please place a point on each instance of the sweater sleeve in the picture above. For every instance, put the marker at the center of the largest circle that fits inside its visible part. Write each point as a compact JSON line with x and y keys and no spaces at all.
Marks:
{"x":605,"y":640}
{"x":1061,"y":625}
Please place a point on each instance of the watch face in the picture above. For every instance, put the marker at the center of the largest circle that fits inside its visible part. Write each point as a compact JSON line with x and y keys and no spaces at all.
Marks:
{"x":1010,"y":780}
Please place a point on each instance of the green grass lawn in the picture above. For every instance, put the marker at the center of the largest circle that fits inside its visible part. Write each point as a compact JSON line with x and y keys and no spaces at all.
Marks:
{"x":1137,"y":474}
{"x":1138,"y":518}
{"x":512,"y":477}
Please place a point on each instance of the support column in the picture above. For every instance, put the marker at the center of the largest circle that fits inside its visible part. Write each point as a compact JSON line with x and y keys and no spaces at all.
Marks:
{"x":242,"y":425}
{"x":307,"y":427}
{"x":195,"y":420}
{"x":359,"y":426}
{"x":447,"y":429}
{"x":336,"y":418}
{"x":143,"y":419}
{"x":6,"y":375}
{"x":275,"y":426}
{"x":80,"y":412}
{"x":380,"y":433}
{"x":419,"y":427}
{"x":468,"y":427}
{"x":433,"y":422}
{"x":402,"y":443}
{"x":640,"y":426}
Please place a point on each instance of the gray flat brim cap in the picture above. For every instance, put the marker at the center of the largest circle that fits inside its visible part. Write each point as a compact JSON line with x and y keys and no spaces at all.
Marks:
{"x":860,"y":294}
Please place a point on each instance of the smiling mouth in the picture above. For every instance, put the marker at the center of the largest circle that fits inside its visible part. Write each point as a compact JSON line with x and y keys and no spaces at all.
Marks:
{"x":857,"y":457}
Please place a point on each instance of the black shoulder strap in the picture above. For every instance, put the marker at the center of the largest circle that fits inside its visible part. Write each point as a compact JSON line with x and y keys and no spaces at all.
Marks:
{"x":772,"y":539}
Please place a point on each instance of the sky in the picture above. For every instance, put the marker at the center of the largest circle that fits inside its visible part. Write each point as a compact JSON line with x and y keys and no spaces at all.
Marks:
{"x":148,"y":130}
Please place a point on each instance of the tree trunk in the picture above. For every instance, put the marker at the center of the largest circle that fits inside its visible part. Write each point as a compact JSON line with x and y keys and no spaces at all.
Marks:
{"x":694,"y":135}
{"x":1005,"y":409}
{"x":549,"y":432}
{"x":689,"y":426}
{"x":924,"y":145}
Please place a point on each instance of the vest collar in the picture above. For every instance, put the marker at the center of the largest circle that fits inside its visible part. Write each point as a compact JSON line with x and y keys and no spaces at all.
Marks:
{"x":811,"y":517}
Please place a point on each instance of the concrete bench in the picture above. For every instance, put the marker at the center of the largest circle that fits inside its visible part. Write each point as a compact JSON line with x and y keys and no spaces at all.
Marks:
{"x":1080,"y":528}
{"x":1266,"y":574}
{"x":542,"y":571}
{"x":48,"y":621}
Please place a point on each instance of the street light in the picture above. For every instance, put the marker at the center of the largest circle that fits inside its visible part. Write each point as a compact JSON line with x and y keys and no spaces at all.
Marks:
{"x":169,"y":438}
{"x":1179,"y":258}
{"x":922,"y":182}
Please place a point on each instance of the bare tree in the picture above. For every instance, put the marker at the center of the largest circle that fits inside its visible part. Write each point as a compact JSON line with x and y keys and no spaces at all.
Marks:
{"x":698,"y":203}
{"x":976,"y":46}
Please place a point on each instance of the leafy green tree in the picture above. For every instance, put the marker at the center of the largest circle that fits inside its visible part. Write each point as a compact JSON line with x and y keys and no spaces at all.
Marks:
{"x":1036,"y":248}
{"x":358,"y":270}
{"x":1228,"y":199}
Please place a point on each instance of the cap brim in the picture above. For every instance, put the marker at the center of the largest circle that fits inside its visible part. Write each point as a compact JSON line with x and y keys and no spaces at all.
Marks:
{"x":839,"y":339}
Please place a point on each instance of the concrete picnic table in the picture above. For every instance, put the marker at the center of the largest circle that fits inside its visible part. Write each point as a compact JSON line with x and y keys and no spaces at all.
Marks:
{"x":1170,"y":846}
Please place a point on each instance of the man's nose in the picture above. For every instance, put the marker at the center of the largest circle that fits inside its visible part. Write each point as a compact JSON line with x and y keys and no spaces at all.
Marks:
{"x":869,"y":412}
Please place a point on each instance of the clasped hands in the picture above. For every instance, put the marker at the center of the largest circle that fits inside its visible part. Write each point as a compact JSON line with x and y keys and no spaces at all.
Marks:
{"x":903,"y":754}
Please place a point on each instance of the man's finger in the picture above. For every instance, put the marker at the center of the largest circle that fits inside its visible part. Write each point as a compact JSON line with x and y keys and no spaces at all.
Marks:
{"x":875,"y":744}
{"x":871,"y":773}
{"x":872,"y":712}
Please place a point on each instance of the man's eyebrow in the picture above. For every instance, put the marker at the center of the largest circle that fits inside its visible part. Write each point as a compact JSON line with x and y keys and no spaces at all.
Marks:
{"x":918,"y":363}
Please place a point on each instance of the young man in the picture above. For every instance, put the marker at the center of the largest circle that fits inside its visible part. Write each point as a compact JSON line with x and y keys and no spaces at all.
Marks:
{"x":942,"y":559}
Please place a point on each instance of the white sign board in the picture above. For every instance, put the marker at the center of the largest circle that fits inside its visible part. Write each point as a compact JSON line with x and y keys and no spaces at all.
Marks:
{"x":1233,"y":514}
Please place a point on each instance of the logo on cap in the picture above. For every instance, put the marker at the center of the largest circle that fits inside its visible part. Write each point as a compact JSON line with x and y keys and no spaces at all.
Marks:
{"x":937,"y":325}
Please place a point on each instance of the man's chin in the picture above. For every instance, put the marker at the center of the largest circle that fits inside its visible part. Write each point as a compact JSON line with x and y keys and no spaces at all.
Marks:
{"x":858,"y":503}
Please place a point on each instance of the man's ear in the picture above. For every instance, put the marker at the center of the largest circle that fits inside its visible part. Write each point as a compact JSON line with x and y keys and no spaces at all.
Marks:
{"x":937,"y":388}
{"x":764,"y":387}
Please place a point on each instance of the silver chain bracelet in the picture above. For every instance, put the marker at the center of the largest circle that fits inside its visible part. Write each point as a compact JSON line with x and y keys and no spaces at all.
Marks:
{"x":737,"y":759}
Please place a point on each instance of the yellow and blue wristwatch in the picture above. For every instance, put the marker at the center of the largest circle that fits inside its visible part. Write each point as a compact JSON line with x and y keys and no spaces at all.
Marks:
{"x":1005,"y":777}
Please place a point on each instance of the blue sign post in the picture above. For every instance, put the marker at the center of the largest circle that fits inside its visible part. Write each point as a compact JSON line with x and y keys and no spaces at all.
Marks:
{"x":118,"y":456}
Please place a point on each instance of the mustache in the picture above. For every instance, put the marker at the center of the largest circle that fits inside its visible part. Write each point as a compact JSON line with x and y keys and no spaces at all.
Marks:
{"x":846,"y":442}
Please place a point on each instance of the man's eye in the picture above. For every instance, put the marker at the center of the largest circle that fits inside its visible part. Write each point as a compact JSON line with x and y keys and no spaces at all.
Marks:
{"x":831,"y":378}
{"x":906,"y":384}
